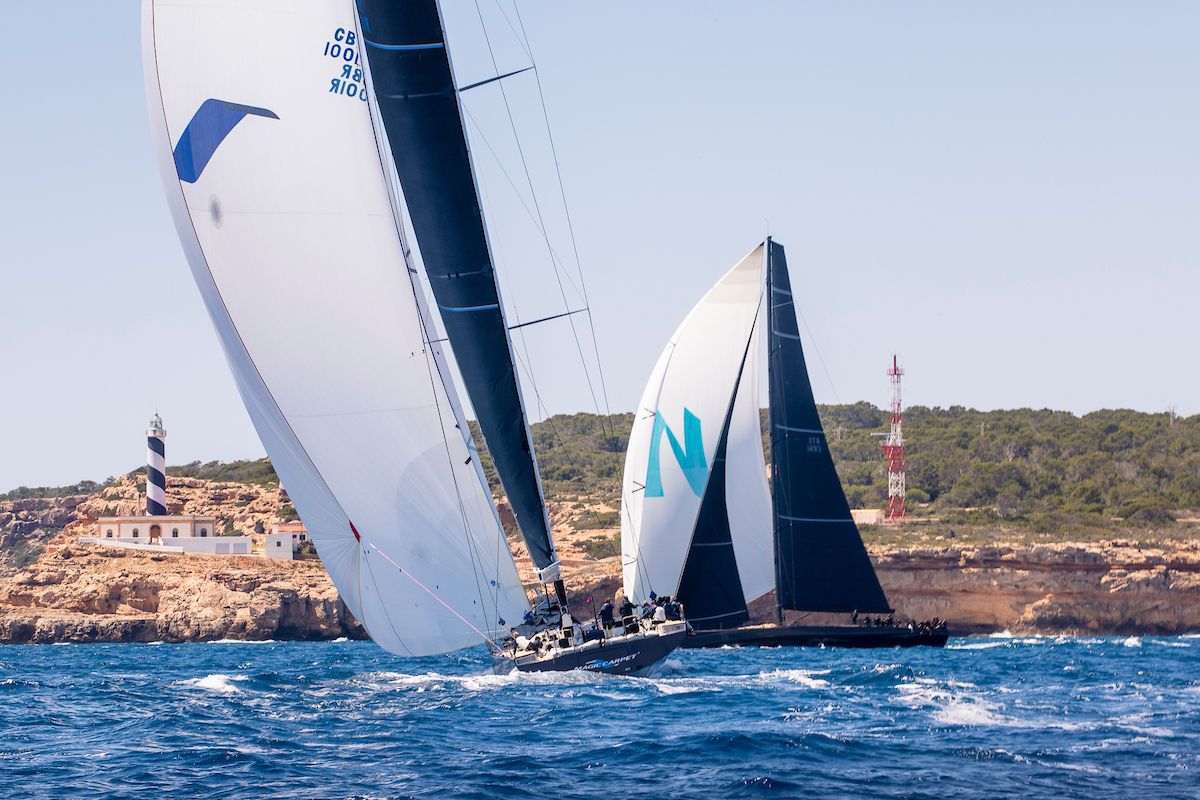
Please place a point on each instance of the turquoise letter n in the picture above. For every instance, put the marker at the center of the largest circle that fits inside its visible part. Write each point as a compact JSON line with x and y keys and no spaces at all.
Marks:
{"x":690,"y":457}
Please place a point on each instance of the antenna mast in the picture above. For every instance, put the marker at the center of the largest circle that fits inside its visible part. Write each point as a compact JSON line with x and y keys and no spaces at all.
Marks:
{"x":893,"y":449}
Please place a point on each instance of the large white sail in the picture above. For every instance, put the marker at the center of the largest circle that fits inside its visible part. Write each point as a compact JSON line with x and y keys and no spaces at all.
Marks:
{"x":675,"y":436}
{"x":747,"y":495}
{"x":274,"y":176}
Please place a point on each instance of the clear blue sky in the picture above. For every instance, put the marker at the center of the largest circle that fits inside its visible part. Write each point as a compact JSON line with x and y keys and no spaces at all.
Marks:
{"x":1007,"y":195}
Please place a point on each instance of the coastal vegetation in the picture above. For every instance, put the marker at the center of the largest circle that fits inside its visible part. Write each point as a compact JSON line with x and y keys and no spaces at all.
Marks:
{"x":1039,"y":469}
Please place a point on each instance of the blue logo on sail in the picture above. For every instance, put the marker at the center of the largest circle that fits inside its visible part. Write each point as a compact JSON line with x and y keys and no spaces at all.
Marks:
{"x":209,"y":126}
{"x":690,"y":457}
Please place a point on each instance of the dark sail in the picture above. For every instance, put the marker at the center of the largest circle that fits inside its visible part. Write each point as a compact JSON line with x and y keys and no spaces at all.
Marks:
{"x":710,"y":587}
{"x":821,"y":562}
{"x":418,"y":102}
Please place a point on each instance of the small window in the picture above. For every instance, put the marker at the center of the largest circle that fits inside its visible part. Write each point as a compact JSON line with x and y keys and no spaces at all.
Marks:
{"x":279,"y":544}
{"x":174,"y":533}
{"x":109,"y":534}
{"x":302,"y":537}
{"x":204,"y":531}
{"x":135,"y":533}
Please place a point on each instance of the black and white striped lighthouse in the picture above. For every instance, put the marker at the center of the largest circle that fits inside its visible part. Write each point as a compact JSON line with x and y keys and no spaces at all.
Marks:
{"x":156,"y":468}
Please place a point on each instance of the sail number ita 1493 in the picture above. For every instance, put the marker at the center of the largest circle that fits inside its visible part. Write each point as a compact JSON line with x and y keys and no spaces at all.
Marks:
{"x":342,"y":48}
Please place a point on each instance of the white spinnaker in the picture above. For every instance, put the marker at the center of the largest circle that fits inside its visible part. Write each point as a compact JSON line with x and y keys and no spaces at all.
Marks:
{"x":747,"y":495}
{"x":697,"y":372}
{"x":291,"y":238}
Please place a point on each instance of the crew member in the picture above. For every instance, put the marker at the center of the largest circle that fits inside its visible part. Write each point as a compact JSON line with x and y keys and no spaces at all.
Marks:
{"x":606,"y":616}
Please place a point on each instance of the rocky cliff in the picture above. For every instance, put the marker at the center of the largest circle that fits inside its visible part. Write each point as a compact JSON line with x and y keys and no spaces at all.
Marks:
{"x":91,"y":593}
{"x":52,"y":588}
{"x":1113,"y":586}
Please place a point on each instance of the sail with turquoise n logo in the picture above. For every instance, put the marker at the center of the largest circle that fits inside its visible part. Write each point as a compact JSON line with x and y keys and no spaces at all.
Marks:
{"x":695,"y":504}
{"x":282,"y":199}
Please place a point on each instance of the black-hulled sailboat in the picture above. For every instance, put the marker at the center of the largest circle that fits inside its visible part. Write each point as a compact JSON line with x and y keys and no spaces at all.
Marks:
{"x":294,"y":139}
{"x":699,"y":520}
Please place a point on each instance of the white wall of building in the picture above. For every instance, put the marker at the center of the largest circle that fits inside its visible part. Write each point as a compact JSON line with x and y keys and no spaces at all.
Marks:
{"x":138,"y":529}
{"x":213,"y":545}
{"x":281,"y":545}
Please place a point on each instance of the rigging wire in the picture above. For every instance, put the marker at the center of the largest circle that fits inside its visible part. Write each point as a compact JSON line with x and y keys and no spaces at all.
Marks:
{"x":537,"y":206}
{"x":566,"y":209}
{"x":434,"y":595}
{"x":520,"y":197}
{"x":526,"y":365}
{"x":820,"y":357}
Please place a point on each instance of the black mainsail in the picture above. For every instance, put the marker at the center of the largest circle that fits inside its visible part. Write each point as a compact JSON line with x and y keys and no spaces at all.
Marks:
{"x":418,"y":101}
{"x":821,"y":563}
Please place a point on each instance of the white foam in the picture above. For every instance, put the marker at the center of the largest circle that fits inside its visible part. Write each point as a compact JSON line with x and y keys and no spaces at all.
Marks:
{"x":952,"y":707}
{"x":243,"y":641}
{"x":670,"y":688}
{"x":341,"y":639}
{"x":216,"y":682}
{"x":976,"y":646}
{"x":1133,"y":722}
{"x":804,"y":677}
{"x":433,"y":681}
{"x":1133,"y":641}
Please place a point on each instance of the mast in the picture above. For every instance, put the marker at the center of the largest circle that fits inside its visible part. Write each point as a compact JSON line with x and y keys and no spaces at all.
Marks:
{"x":771,"y":428}
{"x":412,"y":79}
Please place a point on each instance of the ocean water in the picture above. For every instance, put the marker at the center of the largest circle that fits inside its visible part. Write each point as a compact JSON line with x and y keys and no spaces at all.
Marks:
{"x":987,"y":717}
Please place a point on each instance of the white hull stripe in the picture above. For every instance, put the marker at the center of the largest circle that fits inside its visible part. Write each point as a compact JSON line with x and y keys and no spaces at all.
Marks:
{"x":817,"y":431}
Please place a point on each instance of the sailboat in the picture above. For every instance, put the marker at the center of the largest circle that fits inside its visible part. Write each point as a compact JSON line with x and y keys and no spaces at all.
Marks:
{"x":699,"y":520}
{"x":294,"y":139}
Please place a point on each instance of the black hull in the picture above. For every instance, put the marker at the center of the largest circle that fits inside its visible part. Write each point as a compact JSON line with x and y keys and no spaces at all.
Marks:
{"x":816,"y":636}
{"x":611,"y":658}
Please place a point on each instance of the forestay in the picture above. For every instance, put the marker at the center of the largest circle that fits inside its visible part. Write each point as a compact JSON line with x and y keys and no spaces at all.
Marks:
{"x":277,"y":188}
{"x":677,"y":434}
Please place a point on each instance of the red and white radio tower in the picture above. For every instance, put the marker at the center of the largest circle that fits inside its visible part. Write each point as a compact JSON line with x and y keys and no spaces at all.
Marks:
{"x":893,"y":450}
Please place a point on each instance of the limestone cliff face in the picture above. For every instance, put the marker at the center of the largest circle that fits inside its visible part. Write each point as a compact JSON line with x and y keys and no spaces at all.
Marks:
{"x":89,"y":593}
{"x":1116,"y":586}
{"x":54,"y":589}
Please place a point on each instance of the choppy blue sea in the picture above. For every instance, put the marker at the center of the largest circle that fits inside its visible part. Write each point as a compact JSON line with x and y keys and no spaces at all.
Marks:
{"x":987,"y":717}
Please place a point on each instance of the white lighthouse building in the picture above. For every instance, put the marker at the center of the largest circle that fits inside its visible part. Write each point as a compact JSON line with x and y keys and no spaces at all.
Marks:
{"x":156,"y":468}
{"x":157,"y":529}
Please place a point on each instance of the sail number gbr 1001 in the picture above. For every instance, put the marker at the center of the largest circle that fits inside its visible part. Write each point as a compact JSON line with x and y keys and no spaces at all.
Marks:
{"x":342,"y":48}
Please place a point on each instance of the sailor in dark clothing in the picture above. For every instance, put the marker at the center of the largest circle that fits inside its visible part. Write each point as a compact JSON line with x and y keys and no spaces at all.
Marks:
{"x":606,"y":616}
{"x":673,"y":608}
{"x":647,"y":610}
{"x":626,"y":608}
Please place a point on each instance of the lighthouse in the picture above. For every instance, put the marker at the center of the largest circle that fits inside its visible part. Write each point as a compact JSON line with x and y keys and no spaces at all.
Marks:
{"x":156,"y":468}
{"x":158,"y":531}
